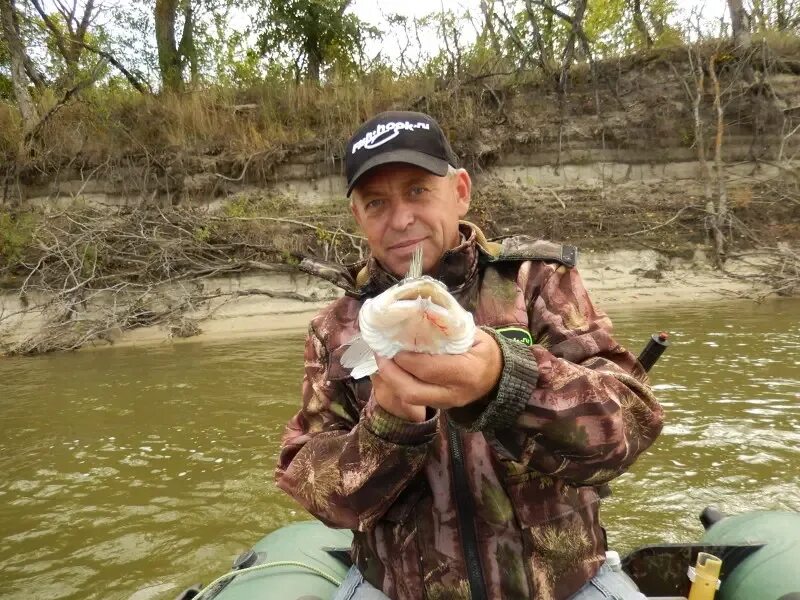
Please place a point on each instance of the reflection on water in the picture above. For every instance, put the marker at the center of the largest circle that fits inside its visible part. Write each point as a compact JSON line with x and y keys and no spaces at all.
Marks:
{"x":131,"y":473}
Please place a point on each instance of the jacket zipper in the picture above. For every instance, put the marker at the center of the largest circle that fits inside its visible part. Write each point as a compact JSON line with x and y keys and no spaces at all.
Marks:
{"x":465,"y":509}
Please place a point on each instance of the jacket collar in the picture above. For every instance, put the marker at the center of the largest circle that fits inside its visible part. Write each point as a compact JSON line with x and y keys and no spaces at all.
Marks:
{"x":457,"y":268}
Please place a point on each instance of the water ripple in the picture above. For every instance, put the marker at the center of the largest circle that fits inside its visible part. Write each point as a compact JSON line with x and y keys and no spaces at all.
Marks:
{"x":131,"y":473}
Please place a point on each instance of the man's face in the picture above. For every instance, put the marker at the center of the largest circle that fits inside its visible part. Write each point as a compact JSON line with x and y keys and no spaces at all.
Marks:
{"x":399,"y":206}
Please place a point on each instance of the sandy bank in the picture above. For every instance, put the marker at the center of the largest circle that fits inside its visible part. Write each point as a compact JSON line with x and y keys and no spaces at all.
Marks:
{"x":615,"y":280}
{"x":260,"y":305}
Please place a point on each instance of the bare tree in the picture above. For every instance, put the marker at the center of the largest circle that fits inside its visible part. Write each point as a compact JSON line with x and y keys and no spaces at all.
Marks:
{"x":544,"y":48}
{"x":70,"y":35}
{"x":509,"y":28}
{"x":487,"y":9}
{"x":576,"y":35}
{"x":72,"y":39}
{"x":696,"y":65}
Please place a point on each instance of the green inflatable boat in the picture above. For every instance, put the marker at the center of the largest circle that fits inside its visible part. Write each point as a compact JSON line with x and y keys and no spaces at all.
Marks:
{"x":760,"y":553}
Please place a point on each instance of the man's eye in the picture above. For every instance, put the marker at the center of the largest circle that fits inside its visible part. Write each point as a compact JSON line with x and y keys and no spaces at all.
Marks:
{"x":418,"y":190}
{"x":373,"y":204}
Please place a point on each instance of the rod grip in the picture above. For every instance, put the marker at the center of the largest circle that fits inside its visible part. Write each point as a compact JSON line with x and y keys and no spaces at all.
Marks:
{"x":654,"y":349}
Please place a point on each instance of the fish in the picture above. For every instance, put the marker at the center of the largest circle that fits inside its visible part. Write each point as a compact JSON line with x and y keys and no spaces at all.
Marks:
{"x":417,"y":314}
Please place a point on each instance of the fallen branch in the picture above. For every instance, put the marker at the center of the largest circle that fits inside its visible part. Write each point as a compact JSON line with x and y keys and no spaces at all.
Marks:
{"x":88,"y":274}
{"x":660,"y":225}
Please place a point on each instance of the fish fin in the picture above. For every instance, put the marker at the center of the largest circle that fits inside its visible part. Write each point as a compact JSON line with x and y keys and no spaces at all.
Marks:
{"x":368,"y":367}
{"x":415,"y":266}
{"x":357,"y":352}
{"x":359,"y":358}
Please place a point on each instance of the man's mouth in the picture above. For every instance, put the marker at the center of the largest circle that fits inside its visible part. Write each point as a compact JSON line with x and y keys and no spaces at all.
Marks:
{"x":406,"y":244}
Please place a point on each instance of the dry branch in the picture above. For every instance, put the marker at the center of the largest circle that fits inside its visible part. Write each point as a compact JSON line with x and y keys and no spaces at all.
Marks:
{"x":89,"y":274}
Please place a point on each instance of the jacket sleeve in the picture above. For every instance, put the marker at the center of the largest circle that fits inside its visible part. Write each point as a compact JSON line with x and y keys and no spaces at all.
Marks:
{"x":575,"y":404}
{"x":347,"y":468}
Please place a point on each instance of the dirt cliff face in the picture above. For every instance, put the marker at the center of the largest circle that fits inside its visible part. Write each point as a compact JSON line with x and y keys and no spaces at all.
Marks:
{"x":613,"y":162}
{"x":653,"y":156}
{"x":638,"y":109}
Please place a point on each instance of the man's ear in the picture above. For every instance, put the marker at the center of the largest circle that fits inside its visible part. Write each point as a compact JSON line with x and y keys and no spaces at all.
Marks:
{"x":463,"y":192}
{"x":356,"y":213}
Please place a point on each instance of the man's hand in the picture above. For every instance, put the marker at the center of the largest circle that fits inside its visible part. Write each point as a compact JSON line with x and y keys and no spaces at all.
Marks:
{"x":388,"y":399}
{"x":416,"y":380}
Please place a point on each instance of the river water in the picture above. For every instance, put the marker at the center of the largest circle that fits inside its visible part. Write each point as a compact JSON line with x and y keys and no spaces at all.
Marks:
{"x":134,"y":472}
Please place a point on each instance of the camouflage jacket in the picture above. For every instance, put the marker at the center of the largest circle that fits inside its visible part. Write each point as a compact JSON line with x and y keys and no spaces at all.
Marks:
{"x":497,"y":499}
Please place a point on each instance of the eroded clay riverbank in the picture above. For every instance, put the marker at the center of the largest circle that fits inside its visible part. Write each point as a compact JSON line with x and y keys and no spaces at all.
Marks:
{"x":641,"y":279}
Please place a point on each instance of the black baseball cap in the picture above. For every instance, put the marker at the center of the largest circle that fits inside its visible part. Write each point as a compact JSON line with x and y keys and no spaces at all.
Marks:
{"x":407,"y":137}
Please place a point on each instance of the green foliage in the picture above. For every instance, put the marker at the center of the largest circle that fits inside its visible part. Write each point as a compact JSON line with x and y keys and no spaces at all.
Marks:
{"x":10,"y":132}
{"x":611,"y":26}
{"x":687,"y":135}
{"x":313,"y":34}
{"x":5,"y":56}
{"x":670,"y":37}
{"x":256,"y":206}
{"x":608,"y":25}
{"x":89,"y":260}
{"x":6,"y":87}
{"x":203,"y":234}
{"x":288,"y":258}
{"x":16,"y":235}
{"x":775,"y":15}
{"x":273,"y":73}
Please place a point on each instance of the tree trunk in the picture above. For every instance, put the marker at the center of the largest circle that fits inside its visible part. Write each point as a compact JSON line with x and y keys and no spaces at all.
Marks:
{"x":740,"y":22}
{"x":488,"y":27}
{"x":19,"y":77}
{"x":546,"y":61}
{"x":720,"y":215}
{"x":33,"y":73}
{"x":313,"y":66}
{"x":780,"y":15}
{"x":68,"y":34}
{"x":187,"y":52}
{"x":641,"y":26}
{"x":169,"y":58}
{"x":77,"y":36}
{"x":699,"y":127}
{"x":576,"y":34}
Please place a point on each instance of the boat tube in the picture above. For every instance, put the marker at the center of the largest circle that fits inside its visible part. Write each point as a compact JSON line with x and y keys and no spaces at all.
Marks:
{"x":760,"y":553}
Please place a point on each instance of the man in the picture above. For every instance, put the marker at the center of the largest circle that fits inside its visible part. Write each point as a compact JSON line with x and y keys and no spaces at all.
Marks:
{"x":473,"y":475}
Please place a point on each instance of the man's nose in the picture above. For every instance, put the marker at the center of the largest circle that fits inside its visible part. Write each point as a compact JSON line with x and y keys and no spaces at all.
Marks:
{"x":402,"y":216}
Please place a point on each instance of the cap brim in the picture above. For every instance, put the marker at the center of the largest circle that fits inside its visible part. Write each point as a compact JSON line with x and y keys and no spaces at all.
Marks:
{"x":437,"y":166}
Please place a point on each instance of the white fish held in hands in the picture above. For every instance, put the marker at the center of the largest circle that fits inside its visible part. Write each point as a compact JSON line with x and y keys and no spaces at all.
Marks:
{"x":417,"y":314}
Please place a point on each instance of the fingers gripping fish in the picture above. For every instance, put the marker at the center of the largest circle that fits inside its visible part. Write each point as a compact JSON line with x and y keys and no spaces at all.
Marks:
{"x":417,"y":314}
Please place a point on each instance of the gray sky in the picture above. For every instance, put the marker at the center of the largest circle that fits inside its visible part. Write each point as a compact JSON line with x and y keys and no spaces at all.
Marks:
{"x":373,"y":12}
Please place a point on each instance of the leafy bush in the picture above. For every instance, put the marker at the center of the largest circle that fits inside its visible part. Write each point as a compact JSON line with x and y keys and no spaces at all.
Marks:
{"x":16,"y":235}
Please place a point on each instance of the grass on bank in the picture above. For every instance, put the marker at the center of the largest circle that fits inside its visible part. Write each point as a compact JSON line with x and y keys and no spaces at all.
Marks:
{"x":109,"y":124}
{"x":113,"y":123}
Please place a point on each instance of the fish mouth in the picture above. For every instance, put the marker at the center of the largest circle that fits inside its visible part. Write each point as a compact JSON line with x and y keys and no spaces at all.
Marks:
{"x":431,"y":291}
